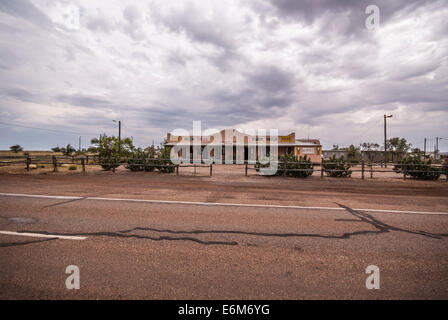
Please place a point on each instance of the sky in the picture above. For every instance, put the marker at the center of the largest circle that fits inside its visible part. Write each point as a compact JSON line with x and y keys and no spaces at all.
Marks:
{"x":69,"y":68}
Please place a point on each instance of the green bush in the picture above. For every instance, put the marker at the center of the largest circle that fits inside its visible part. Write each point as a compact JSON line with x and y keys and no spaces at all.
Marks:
{"x":111,"y":149}
{"x":289,"y":161}
{"x":337,"y":167}
{"x":264,"y":163}
{"x":109,"y":163}
{"x":164,"y":160}
{"x":72,"y":167}
{"x":139,"y":161}
{"x":414,"y":163}
{"x":290,"y":165}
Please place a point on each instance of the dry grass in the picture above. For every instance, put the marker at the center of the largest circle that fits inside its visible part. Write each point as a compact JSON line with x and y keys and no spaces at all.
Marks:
{"x":31,"y":152}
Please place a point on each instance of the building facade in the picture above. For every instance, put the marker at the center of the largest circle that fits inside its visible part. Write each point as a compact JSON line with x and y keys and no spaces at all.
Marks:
{"x":240,"y":146}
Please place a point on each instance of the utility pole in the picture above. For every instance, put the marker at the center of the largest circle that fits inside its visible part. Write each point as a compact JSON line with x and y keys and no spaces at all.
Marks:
{"x":436,"y":151}
{"x":79,"y":148}
{"x":424,"y":150}
{"x":385,"y":140}
{"x":119,"y":135}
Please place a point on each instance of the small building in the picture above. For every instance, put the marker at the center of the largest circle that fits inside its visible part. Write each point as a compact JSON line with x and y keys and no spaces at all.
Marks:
{"x":234,"y":138}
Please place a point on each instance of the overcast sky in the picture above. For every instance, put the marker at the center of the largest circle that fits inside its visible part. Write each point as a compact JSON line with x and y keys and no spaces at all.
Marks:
{"x":306,"y":66}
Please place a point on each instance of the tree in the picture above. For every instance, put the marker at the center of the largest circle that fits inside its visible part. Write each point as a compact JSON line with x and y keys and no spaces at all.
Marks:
{"x":111,"y":151}
{"x":416,"y":152}
{"x":68,"y":150}
{"x":16,"y":148}
{"x":398,"y":147}
{"x":56,"y":149}
{"x":353,"y":154}
{"x":370,"y":148}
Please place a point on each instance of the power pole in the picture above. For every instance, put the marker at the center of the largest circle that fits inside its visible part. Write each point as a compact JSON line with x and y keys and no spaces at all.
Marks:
{"x":385,"y":140}
{"x":436,"y":151}
{"x":79,"y":148}
{"x":424,"y":149}
{"x":119,"y":137}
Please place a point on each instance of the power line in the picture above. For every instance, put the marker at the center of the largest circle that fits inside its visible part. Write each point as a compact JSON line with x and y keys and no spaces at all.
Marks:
{"x":45,"y":129}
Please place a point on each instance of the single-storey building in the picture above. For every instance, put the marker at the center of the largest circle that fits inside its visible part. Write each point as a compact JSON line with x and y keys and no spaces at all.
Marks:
{"x":234,"y":142}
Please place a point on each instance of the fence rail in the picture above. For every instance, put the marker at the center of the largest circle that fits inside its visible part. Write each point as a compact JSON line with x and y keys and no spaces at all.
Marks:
{"x":362,"y":167}
{"x":84,"y":161}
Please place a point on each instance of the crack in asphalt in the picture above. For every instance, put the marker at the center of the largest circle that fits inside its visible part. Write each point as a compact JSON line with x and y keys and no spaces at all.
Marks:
{"x":63,"y":202}
{"x":121,"y":235}
{"x":14,"y":244}
{"x":384,"y":227}
{"x":362,"y":217}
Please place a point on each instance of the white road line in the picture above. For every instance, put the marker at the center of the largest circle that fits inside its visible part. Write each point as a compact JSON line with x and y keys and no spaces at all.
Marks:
{"x":222,"y":204}
{"x":40,"y":235}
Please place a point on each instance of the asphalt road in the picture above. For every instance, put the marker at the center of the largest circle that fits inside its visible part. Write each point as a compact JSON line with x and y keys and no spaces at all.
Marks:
{"x":142,"y":250}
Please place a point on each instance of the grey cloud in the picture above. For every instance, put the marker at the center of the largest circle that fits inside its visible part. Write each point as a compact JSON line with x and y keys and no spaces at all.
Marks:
{"x":84,"y":100}
{"x":19,"y":93}
{"x":133,"y":22}
{"x":227,"y":69}
{"x":271,"y":79}
{"x":99,"y":23}
{"x":26,"y":10}
{"x":191,"y":21}
{"x":344,"y":17}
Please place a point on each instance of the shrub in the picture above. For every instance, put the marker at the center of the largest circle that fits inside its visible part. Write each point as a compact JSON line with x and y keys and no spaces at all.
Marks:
{"x":138,"y":161}
{"x":290,"y":165}
{"x":337,"y":167}
{"x":109,"y":163}
{"x":264,"y":163}
{"x":414,"y":163}
{"x":164,"y":160}
{"x":72,"y":167}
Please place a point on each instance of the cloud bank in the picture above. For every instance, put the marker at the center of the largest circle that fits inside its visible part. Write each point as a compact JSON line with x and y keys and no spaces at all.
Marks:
{"x":306,"y":66}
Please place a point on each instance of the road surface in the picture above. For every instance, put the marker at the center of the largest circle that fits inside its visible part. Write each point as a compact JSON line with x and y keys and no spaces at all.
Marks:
{"x":301,"y":240}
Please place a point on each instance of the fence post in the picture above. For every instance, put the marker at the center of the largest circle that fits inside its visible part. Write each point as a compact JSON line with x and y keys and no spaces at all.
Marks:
{"x":371,"y":171}
{"x":83,"y":165}
{"x":211,"y":169}
{"x":245,"y":169}
{"x":55,"y":164}
{"x":322,"y":169}
{"x":28,"y":162}
{"x":87,"y":159}
{"x":177,"y":170}
{"x":362,"y":169}
{"x":381,"y":163}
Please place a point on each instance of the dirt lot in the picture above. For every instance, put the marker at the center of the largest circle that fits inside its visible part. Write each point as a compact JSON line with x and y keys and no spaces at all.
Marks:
{"x":229,"y":184}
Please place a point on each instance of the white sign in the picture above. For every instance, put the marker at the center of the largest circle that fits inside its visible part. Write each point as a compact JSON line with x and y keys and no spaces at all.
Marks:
{"x":307,"y":150}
